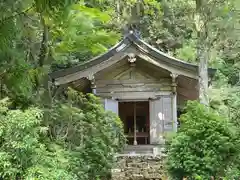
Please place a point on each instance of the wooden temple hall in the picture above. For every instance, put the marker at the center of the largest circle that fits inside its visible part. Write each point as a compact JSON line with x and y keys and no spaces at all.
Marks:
{"x":144,"y":86}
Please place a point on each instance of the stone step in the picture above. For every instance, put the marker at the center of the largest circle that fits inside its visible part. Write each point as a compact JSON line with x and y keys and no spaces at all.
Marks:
{"x":137,"y":152}
{"x":139,"y":146}
{"x":143,"y":146}
{"x":142,"y":149}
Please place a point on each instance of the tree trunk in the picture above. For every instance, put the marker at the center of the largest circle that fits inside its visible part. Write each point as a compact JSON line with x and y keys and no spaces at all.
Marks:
{"x":202,"y":53}
{"x":43,"y":55}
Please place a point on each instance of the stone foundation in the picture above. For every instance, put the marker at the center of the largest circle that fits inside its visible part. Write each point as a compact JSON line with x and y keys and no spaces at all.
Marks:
{"x":140,"y":167}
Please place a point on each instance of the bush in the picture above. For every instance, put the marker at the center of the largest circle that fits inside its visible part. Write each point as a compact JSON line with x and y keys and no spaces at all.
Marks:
{"x":23,"y":153}
{"x":93,"y":135}
{"x":204,"y":147}
{"x":74,"y":138}
{"x":227,"y":102}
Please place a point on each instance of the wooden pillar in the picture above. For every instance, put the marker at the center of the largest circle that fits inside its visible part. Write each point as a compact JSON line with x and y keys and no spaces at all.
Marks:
{"x":91,"y":78}
{"x":135,"y":124}
{"x":174,"y":101}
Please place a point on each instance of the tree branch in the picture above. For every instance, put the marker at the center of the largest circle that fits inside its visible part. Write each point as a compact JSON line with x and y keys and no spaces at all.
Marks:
{"x":15,"y":15}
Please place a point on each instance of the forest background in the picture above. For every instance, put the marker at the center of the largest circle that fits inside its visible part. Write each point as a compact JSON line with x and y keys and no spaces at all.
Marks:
{"x":69,"y":135}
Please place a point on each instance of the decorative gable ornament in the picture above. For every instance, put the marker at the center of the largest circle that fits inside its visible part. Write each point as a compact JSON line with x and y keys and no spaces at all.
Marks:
{"x":132,"y":59}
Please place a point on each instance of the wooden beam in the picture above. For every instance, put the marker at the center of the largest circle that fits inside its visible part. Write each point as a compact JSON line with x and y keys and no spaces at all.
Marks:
{"x":135,"y":95}
{"x":165,"y":81}
{"x":132,"y":89}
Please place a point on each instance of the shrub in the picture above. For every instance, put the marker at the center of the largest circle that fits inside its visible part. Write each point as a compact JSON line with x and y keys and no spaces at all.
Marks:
{"x":74,"y":138}
{"x":204,"y":147}
{"x":23,"y":153}
{"x":93,"y":135}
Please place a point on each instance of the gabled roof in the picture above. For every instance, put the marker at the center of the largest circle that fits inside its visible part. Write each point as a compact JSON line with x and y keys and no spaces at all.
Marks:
{"x":130,"y":39}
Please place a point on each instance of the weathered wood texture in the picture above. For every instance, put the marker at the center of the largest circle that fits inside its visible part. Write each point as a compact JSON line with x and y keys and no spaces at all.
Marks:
{"x":123,"y":81}
{"x":134,"y":86}
{"x":161,"y":118}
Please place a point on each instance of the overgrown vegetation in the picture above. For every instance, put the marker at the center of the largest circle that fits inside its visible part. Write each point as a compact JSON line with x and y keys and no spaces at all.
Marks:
{"x":205,"y":146}
{"x":91,"y":135}
{"x":70,"y":136}
{"x":74,"y":139}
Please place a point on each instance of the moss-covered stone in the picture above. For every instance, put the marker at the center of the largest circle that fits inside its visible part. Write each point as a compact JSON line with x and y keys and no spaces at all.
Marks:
{"x":139,"y":168}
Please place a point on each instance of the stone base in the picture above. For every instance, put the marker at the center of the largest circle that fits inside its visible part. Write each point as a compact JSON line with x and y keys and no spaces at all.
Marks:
{"x":139,"y":168}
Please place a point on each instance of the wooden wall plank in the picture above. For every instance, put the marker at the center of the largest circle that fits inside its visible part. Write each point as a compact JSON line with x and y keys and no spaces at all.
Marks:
{"x":168,"y":115}
{"x":111,"y":105}
{"x":156,"y":121}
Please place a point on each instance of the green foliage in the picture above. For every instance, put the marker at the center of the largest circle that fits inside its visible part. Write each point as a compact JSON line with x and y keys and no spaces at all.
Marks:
{"x":187,"y":52}
{"x":76,"y":140}
{"x":204,"y":147}
{"x":36,"y":35}
{"x":79,"y":139}
{"x":81,"y":34}
{"x":93,"y":136}
{"x":22,"y":150}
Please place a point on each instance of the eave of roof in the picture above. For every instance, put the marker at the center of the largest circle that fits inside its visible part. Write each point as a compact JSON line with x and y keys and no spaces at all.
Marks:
{"x":166,"y":57}
{"x":130,"y":39}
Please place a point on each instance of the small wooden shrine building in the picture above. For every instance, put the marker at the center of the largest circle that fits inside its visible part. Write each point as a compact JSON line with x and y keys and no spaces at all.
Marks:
{"x":141,"y":84}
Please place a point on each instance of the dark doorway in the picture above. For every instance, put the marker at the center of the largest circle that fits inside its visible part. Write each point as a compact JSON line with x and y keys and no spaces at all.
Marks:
{"x":135,"y":117}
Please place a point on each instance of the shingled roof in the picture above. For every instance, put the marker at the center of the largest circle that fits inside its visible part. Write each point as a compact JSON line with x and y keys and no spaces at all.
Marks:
{"x":127,"y":41}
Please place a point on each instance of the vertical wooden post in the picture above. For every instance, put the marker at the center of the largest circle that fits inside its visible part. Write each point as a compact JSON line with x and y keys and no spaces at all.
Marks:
{"x":174,"y":101}
{"x":174,"y":113}
{"x":93,"y":87}
{"x":135,"y":125}
{"x":91,"y":78}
